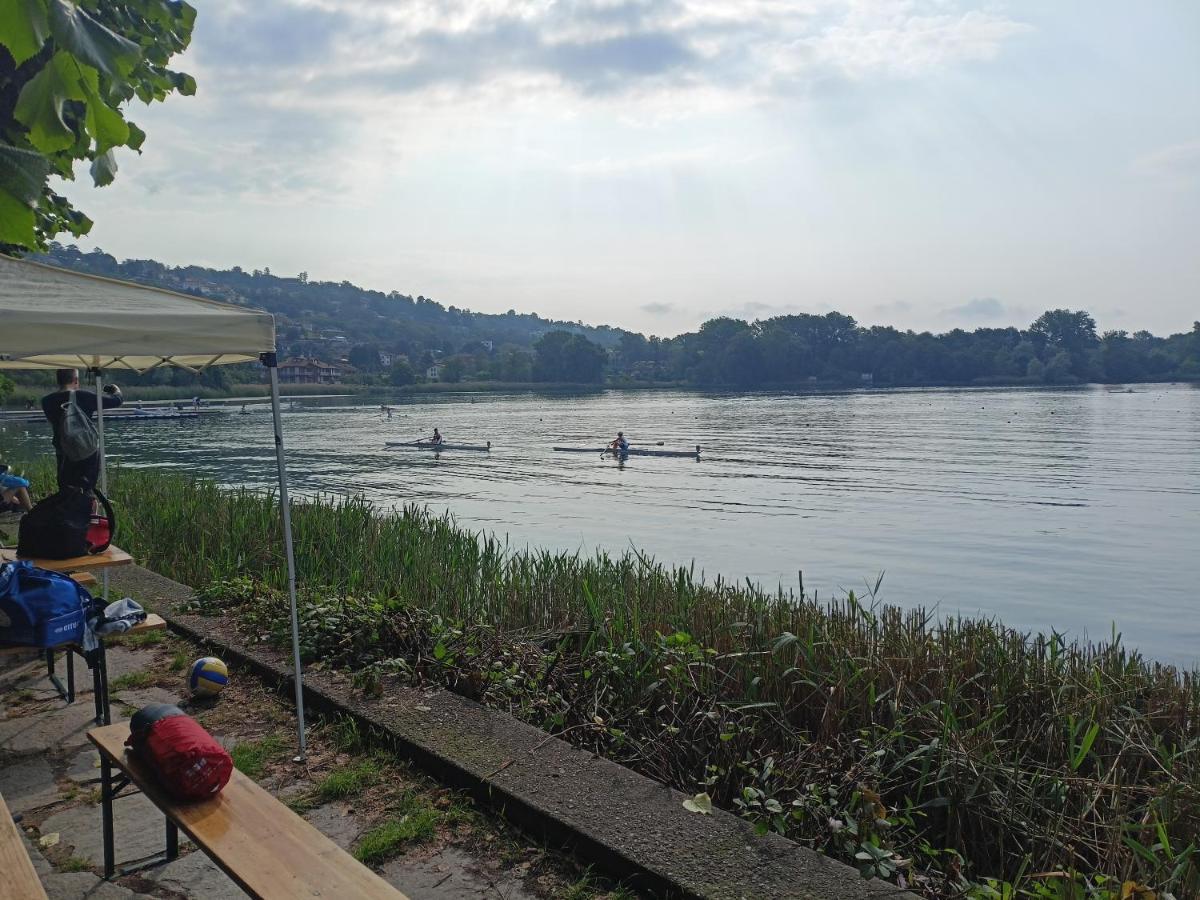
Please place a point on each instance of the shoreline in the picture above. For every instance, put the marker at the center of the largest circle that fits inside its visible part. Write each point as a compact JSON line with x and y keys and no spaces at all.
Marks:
{"x":254,"y":392}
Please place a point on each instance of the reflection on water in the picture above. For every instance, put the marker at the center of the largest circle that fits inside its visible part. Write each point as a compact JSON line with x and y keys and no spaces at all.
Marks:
{"x":1068,"y":508}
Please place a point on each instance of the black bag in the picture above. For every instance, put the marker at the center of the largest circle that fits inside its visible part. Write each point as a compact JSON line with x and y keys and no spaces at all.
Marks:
{"x":57,"y":527}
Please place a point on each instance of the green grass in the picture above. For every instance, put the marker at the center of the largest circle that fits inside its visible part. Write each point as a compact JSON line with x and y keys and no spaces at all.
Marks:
{"x":346,"y":735}
{"x":1018,"y":753}
{"x":251,"y":757}
{"x":179,"y":661}
{"x":139,"y":639}
{"x":348,"y":781}
{"x":413,"y":822}
{"x":132,"y":680}
{"x":75,"y":864}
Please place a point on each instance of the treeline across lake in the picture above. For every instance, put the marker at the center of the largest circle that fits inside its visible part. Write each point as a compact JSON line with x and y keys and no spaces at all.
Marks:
{"x":396,"y":340}
{"x":1060,"y":347}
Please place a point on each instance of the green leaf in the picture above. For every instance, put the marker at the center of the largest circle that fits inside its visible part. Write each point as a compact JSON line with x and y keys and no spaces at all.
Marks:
{"x":1085,"y":746}
{"x":92,"y":42}
{"x":701,"y":803}
{"x":104,"y":169}
{"x":104,"y":123}
{"x":23,"y":173}
{"x":136,"y":137}
{"x":23,"y":27}
{"x":17,"y":221}
{"x":184,"y":83}
{"x":40,"y":104}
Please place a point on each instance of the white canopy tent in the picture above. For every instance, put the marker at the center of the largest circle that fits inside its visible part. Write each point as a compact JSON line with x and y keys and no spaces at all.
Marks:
{"x":52,"y":318}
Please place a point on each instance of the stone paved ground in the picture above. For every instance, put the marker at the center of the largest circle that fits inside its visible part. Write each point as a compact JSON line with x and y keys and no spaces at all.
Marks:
{"x":432,"y":843}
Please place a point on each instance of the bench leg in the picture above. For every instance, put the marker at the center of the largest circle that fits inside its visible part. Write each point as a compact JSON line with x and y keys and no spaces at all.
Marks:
{"x":50,"y":673}
{"x":98,"y":693}
{"x":106,"y":815}
{"x":172,"y":840}
{"x":100,"y":679}
{"x":70,"y":675}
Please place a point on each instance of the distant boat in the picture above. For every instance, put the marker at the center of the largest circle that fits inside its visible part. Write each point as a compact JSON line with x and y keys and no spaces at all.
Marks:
{"x":131,"y":416}
{"x":632,"y":451}
{"x":427,"y":445}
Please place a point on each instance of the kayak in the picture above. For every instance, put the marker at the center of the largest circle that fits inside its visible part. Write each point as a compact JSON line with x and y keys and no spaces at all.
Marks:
{"x":632,"y":451}
{"x":426,"y":445}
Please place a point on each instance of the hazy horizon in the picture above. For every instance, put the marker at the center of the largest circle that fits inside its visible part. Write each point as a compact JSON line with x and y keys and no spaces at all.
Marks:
{"x":926,"y":164}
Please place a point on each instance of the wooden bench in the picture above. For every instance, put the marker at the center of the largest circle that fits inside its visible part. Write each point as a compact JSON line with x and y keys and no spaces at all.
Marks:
{"x":113,"y":556}
{"x":267,"y":849}
{"x":17,"y":876}
{"x":152,"y":622}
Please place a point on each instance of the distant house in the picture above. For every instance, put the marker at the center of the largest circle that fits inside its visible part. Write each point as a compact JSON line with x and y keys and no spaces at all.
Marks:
{"x":434,"y":372}
{"x":306,"y":370}
{"x":386,"y":359}
{"x":868,"y":378}
{"x":487,"y":345}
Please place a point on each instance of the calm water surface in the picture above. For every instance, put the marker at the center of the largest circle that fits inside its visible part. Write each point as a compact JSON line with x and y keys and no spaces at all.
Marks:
{"x":1074,"y":509}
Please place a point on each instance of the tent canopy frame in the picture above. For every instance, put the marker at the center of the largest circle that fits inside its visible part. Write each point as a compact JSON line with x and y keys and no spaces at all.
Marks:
{"x":56,"y":319}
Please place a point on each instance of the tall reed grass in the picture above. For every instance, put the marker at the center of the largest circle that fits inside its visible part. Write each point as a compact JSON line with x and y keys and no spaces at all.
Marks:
{"x":938,"y":753}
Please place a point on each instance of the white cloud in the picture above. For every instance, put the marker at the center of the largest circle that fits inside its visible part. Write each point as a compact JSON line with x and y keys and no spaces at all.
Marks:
{"x":1178,"y":165}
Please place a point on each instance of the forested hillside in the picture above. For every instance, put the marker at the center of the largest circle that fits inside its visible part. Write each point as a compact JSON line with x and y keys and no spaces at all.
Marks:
{"x":392,"y":338}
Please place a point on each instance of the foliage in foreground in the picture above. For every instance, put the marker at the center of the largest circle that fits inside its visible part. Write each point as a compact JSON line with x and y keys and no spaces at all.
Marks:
{"x":66,"y":69}
{"x":935,"y":754}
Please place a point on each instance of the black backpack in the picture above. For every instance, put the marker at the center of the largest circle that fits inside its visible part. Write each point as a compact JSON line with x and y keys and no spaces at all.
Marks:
{"x":57,"y":527}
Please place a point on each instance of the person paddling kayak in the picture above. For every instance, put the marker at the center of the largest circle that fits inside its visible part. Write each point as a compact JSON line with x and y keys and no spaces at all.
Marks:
{"x":620,"y":445}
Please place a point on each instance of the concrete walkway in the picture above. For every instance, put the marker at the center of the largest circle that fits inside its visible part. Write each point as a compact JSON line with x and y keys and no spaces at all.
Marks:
{"x":49,"y":776}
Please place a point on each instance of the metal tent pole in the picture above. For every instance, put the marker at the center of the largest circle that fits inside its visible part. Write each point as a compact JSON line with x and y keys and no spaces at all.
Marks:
{"x":103,"y":716}
{"x":271,"y":361}
{"x":103,"y":461}
{"x":100,"y":427}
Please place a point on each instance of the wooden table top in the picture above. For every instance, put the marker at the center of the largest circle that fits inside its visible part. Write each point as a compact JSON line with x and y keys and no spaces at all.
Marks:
{"x":113,"y":556}
{"x":261,"y":844}
{"x":17,"y":875}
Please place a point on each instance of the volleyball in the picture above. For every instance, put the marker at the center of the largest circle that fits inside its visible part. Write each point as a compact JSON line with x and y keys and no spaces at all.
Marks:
{"x":208,"y":676}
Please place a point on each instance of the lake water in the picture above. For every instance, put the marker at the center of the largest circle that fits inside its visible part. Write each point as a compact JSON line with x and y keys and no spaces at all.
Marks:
{"x":1073,"y":509}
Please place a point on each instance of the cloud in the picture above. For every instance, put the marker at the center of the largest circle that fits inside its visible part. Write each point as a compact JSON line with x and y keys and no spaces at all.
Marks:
{"x":1178,"y":165}
{"x":659,"y":309}
{"x":893,"y":309}
{"x":985,"y":311}
{"x":593,"y":46}
{"x":303,"y":98}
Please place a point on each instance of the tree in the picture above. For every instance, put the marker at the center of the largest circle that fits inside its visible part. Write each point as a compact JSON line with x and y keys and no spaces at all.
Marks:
{"x":66,"y":69}
{"x":364,"y":357}
{"x":401,"y":373}
{"x":453,"y":369}
{"x":1064,"y":329}
{"x":516,"y":365}
{"x":563,"y":356}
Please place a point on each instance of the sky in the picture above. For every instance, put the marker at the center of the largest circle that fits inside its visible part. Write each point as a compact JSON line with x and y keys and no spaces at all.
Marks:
{"x":927,"y":164}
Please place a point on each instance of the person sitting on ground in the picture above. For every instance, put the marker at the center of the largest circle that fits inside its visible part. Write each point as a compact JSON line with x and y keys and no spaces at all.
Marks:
{"x":84,"y":473}
{"x":14,"y":493}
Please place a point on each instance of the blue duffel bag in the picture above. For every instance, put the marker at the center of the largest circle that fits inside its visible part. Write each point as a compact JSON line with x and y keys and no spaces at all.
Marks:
{"x":39,"y":608}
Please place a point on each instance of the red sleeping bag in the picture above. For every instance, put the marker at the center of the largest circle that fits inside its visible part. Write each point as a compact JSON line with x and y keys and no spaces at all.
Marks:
{"x":188,"y":761}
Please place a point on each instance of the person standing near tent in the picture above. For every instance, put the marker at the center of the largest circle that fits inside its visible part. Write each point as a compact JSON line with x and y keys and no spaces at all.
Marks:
{"x":83,"y":473}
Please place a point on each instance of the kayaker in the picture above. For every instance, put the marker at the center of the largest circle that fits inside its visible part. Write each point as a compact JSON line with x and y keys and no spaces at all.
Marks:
{"x":620,"y":445}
